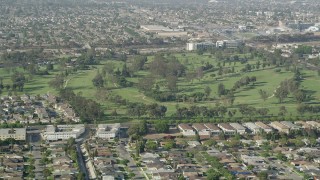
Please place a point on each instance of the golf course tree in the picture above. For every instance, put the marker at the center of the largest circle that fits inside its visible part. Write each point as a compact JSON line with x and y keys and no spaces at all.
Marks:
{"x":57,"y":82}
{"x":18,"y":81}
{"x":98,"y":81}
{"x":87,"y":109}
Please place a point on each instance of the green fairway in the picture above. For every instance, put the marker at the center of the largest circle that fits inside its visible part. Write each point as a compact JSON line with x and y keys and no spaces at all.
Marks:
{"x":267,"y":79}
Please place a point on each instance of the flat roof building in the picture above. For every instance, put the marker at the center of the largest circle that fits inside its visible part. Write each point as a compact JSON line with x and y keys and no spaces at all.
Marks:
{"x":266,"y":128}
{"x":238,"y":127}
{"x":280,"y":127}
{"x":215,"y":130}
{"x":15,"y":133}
{"x":226,"y":128}
{"x":253,"y":127}
{"x":290,"y":125}
{"x":303,"y":124}
{"x":186,"y":130}
{"x":314,"y":124}
{"x":108,"y":131}
{"x":61,"y":132}
{"x":201,"y":129}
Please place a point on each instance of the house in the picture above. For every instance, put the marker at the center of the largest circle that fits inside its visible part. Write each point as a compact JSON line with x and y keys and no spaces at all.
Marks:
{"x":41,"y":112}
{"x":252,"y":127}
{"x":226,"y":128}
{"x":264,"y":127}
{"x":239,"y":128}
{"x":201,"y":129}
{"x":213,"y":129}
{"x":280,"y":127}
{"x":186,"y":130}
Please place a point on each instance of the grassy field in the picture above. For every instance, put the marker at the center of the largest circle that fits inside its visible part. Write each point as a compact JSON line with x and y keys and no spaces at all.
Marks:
{"x":267,"y":79}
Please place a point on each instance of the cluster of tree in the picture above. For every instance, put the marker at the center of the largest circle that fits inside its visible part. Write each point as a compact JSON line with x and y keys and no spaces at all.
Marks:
{"x":306,"y":108}
{"x":197,"y":111}
{"x":57,"y":82}
{"x":247,"y":110}
{"x":87,"y":109}
{"x":303,"y":49}
{"x":165,"y":67}
{"x":153,"y":110}
{"x":88,"y":58}
{"x":245,"y":81}
{"x":18,"y":81}
{"x":217,"y":169}
{"x":290,"y":86}
{"x":118,"y":77}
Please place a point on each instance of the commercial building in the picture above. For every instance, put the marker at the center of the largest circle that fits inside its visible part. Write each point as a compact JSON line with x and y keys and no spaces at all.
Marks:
{"x":215,"y":130}
{"x":15,"y":133}
{"x":226,"y":128}
{"x":108,"y":131}
{"x":186,"y":130}
{"x":264,"y":127}
{"x":239,"y":128}
{"x":61,"y":132}
{"x":252,"y":127}
{"x":280,"y":127}
{"x":200,"y":46}
{"x":230,"y":44}
{"x":201,"y":129}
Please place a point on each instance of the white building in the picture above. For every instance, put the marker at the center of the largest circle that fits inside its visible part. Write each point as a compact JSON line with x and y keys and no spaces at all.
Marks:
{"x":253,"y":127}
{"x":15,"y":133}
{"x":191,"y":47}
{"x":108,"y":131}
{"x":239,"y":128}
{"x":186,"y":130}
{"x":61,"y":132}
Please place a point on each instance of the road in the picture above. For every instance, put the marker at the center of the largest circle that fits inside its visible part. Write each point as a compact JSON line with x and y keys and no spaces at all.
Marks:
{"x":121,"y":149}
{"x":34,"y":139}
{"x":81,"y":162}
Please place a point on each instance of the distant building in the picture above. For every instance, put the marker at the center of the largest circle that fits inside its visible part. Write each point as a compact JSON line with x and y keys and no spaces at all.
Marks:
{"x":108,"y":131}
{"x":280,"y":127}
{"x":15,"y":133}
{"x":215,"y":130}
{"x":226,"y":128}
{"x":230,"y":44}
{"x":61,"y":132}
{"x":252,"y":127}
{"x":186,"y":130}
{"x":239,"y":128}
{"x":264,"y":127}
{"x":199,"y":46}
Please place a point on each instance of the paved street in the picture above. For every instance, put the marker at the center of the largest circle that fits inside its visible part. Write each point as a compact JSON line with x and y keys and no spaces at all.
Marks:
{"x":34,"y":139}
{"x":123,"y":153}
